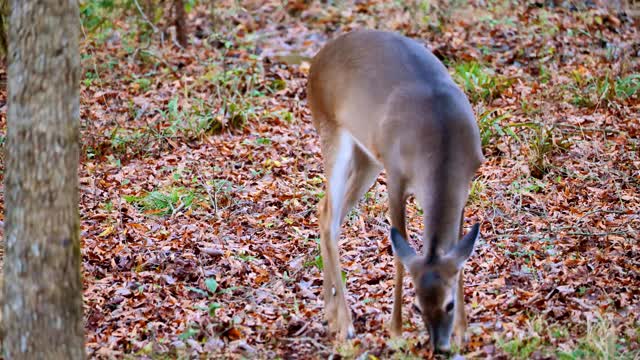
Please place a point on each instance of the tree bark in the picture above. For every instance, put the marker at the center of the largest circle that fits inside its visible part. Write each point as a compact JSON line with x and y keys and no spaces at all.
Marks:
{"x":181,"y":23}
{"x":4,"y":12}
{"x":42,"y":305}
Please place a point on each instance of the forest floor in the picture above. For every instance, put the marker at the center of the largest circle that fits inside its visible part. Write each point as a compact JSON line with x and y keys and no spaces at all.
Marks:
{"x":201,"y":172}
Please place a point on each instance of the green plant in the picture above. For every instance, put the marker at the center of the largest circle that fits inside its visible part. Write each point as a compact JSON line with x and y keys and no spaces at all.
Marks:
{"x":544,"y":75}
{"x":524,"y":344}
{"x":122,"y":139}
{"x":529,"y":186}
{"x":93,"y":13}
{"x":431,"y":14}
{"x":143,"y":83}
{"x":222,"y":192}
{"x":506,"y":21}
{"x":190,"y":124}
{"x":191,"y":331}
{"x":244,"y":256}
{"x":490,"y":126}
{"x":520,"y":348}
{"x":627,"y":87}
{"x":213,"y":289}
{"x":348,"y":349}
{"x":263,"y":141}
{"x":212,"y":286}
{"x":545,"y":23}
{"x":599,"y":342}
{"x":477,"y":188}
{"x":541,"y":143}
{"x":317,"y":257}
{"x":89,"y":78}
{"x":425,"y":14}
{"x":238,"y":89}
{"x":588,"y":91}
{"x":108,"y":206}
{"x":163,"y":203}
{"x":478,"y":82}
{"x":402,"y":348}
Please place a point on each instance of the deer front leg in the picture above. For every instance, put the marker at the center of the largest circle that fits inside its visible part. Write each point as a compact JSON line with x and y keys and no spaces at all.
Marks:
{"x":396,"y":316}
{"x":460,"y":320}
{"x":460,"y":317}
{"x":397,"y":215}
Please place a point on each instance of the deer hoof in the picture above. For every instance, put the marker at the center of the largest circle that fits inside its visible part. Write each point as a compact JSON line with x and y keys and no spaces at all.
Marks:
{"x":395,"y":330}
{"x":346,"y":334}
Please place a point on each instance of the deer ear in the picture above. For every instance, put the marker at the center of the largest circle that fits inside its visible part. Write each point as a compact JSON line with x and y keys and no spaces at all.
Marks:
{"x":401,"y":248}
{"x":464,"y":248}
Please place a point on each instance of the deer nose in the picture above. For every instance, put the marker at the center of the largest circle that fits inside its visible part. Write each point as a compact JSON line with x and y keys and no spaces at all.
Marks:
{"x":439,"y":343}
{"x":442,"y":348}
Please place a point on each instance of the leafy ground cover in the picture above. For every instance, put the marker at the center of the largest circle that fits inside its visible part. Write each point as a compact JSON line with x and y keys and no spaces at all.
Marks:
{"x":201,"y":172}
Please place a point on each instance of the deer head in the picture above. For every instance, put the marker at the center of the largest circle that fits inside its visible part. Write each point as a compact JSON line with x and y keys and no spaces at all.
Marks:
{"x":435,"y":281}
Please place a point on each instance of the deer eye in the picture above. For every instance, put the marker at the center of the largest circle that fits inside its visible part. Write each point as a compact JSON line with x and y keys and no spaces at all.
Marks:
{"x":449,"y":307}
{"x":416,"y":308}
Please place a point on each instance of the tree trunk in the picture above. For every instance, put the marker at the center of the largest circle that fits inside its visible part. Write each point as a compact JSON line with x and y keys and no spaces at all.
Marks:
{"x":181,"y":23}
{"x":4,"y":13}
{"x":42,"y":305}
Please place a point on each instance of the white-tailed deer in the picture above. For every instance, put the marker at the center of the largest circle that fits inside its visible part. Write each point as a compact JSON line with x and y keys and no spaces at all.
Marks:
{"x":378,"y":100}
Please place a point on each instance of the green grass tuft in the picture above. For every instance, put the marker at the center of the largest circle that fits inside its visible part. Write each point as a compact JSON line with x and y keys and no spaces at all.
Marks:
{"x":594,"y":91}
{"x":478,"y":82}
{"x":164,"y":203}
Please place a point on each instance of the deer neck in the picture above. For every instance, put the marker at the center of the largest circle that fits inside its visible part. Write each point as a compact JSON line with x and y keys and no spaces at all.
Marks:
{"x":442,"y":215}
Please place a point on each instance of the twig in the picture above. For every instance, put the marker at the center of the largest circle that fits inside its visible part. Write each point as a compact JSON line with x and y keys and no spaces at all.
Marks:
{"x":97,"y":72}
{"x":163,"y":61}
{"x":142,"y":111}
{"x":532,"y":237}
{"x":121,"y":236}
{"x":596,"y":211}
{"x":180,"y":207}
{"x":144,"y":16}
{"x":212,"y":198}
{"x":591,"y":129}
{"x":313,"y":341}
{"x":583,"y":233}
{"x":200,"y":267}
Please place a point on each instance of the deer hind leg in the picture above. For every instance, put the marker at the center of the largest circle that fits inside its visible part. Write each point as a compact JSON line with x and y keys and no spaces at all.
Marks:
{"x":350,"y":174}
